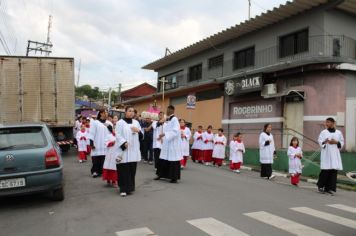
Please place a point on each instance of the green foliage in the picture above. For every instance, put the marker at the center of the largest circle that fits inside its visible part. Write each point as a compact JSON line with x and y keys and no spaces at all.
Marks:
{"x":94,"y":93}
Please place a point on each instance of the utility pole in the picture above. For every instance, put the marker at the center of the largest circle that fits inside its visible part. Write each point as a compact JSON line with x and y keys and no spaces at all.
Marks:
{"x":119,"y":94}
{"x":78,"y":77}
{"x":48,"y":34}
{"x":38,"y":47}
{"x":163,"y":82}
{"x":249,"y":9}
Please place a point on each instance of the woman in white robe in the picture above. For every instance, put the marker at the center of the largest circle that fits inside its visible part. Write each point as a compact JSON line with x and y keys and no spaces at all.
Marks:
{"x":267,"y":151}
{"x":171,"y":153}
{"x":98,"y":133}
{"x":330,"y":141}
{"x":185,"y":136}
{"x":128,"y":133}
{"x":219,"y":148}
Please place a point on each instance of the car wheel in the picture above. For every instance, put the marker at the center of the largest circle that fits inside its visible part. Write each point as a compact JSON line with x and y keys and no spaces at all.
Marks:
{"x":57,"y":194}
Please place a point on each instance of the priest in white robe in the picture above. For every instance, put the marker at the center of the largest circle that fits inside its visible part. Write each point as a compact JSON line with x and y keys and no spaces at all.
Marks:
{"x":171,"y":153}
{"x":128,"y":133}
{"x":330,"y":141}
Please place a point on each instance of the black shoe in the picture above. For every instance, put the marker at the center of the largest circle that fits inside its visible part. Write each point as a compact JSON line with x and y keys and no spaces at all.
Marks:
{"x":157,"y":178}
{"x":173,"y":181}
{"x":329,"y":192}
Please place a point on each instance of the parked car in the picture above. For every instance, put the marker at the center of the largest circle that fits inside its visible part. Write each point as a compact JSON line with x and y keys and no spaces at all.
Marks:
{"x":30,"y":161}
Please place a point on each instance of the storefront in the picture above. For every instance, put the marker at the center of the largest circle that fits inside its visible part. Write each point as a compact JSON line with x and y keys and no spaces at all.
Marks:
{"x":296,"y":102}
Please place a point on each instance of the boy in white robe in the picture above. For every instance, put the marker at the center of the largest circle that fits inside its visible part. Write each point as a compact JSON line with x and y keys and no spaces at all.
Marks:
{"x":197,"y":147}
{"x":267,"y":152}
{"x":157,"y":127}
{"x":330,"y":141}
{"x":185,"y":136}
{"x":208,"y":146}
{"x":82,"y":137}
{"x":171,"y":153}
{"x":295,"y":155}
{"x":219,"y":148}
{"x":237,"y":149}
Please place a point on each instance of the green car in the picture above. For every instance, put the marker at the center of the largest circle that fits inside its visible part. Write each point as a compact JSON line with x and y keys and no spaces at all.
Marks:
{"x":30,"y":161}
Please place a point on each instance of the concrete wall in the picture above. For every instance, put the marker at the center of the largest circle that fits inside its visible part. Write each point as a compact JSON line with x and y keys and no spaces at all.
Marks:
{"x":337,"y":22}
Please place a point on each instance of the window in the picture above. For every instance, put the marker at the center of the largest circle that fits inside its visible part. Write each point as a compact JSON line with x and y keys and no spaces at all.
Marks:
{"x":295,"y":43}
{"x":195,"y":73}
{"x":21,"y":138}
{"x":171,"y":81}
{"x":244,"y":58}
{"x":215,"y":62}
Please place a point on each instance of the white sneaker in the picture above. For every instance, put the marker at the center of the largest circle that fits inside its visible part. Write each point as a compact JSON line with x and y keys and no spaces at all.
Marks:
{"x":80,"y":161}
{"x":94,"y":175}
{"x":237,"y":171}
{"x":182,"y":167}
{"x":123,"y":194}
{"x":272,"y":177}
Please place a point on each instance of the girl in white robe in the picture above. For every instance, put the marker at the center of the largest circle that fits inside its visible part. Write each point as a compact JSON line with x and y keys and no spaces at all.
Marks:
{"x":185,"y":136}
{"x":82,"y":137}
{"x":295,"y":155}
{"x":128,"y":134}
{"x":197,"y":147}
{"x":267,"y":151}
{"x":208,"y":145}
{"x":113,"y":151}
{"x":219,"y":148}
{"x":330,"y":141}
{"x":171,"y":153}
{"x":237,"y":149}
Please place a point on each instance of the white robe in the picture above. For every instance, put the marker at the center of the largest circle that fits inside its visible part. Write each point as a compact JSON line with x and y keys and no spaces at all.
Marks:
{"x":156,"y":132}
{"x":219,"y":149}
{"x":124,"y":134}
{"x":82,"y":144}
{"x":330,"y":157}
{"x":172,"y":143}
{"x":236,"y":156}
{"x":210,"y":138}
{"x":185,"y":141}
{"x":295,"y":164}
{"x":266,"y":152}
{"x":98,"y":133}
{"x":112,"y":153}
{"x":197,"y":143}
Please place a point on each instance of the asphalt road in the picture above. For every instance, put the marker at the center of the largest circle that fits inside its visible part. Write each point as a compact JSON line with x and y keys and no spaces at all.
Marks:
{"x":207,"y":199}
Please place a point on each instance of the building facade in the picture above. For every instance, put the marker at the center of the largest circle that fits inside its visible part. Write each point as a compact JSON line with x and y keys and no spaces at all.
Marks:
{"x":291,"y":67}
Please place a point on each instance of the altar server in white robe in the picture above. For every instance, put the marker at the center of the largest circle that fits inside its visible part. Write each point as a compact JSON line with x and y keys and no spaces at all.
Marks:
{"x":98,"y":134}
{"x":208,"y":146}
{"x":331,"y":141}
{"x":219,"y":147}
{"x":197,"y":147}
{"x":157,"y":127}
{"x":113,"y":151}
{"x":82,"y":137}
{"x":128,"y":133}
{"x":237,"y":149}
{"x":295,"y":155}
{"x":171,"y":153}
{"x":267,"y":152}
{"x":185,"y":136}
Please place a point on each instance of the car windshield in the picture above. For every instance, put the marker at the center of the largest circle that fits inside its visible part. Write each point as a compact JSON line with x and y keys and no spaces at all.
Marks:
{"x":21,"y":138}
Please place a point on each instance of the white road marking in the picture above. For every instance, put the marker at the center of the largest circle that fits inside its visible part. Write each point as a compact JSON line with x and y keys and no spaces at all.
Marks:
{"x":344,"y":207}
{"x":326,"y":216}
{"x":136,"y":232}
{"x":214,"y":227}
{"x":284,"y":224}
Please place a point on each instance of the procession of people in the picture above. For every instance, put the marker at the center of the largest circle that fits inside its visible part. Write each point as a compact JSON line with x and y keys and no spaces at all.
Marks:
{"x":163,"y":140}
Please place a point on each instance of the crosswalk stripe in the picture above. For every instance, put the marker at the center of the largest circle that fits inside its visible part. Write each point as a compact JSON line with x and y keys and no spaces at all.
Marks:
{"x":326,"y":216}
{"x":343,"y":207}
{"x":284,"y":224}
{"x":136,"y":232}
{"x":214,"y":227}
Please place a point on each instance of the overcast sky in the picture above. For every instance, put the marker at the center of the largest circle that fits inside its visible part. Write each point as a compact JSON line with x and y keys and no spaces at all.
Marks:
{"x":115,"y":38}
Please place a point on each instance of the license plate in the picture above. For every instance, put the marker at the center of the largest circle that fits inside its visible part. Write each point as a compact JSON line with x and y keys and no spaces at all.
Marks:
{"x":12,"y":183}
